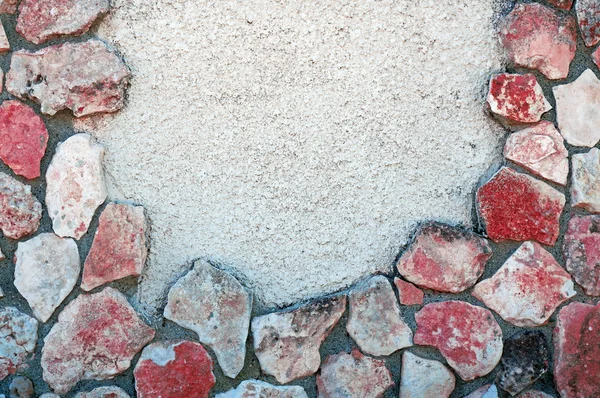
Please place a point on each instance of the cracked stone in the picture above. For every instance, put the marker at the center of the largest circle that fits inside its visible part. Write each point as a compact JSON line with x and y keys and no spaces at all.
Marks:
{"x":588,"y":16}
{"x":96,"y":337}
{"x":517,"y":99}
{"x":8,"y":6}
{"x":75,"y":185}
{"x":581,"y":250}
{"x":585,"y":180}
{"x":260,"y":389}
{"x":96,"y":81}
{"x":20,"y":211}
{"x":287,"y":343}
{"x":174,"y":369}
{"x":424,"y":378}
{"x":21,"y":387}
{"x":104,"y":392}
{"x":216,"y":306}
{"x":408,"y":294}
{"x":444,"y":258}
{"x":486,"y":391}
{"x":534,"y":394}
{"x":467,"y":336}
{"x":18,"y":336}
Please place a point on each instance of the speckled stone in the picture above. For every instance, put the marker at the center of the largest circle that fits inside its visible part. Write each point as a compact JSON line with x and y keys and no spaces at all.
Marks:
{"x":588,"y":16}
{"x":8,"y":6}
{"x":20,"y":211}
{"x":581,"y":250}
{"x":425,"y":378}
{"x":104,"y":392}
{"x":18,"y":337}
{"x":585,"y":180}
{"x":260,"y":389}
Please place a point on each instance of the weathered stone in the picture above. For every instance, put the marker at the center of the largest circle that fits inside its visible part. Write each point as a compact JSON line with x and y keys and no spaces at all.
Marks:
{"x":537,"y":37}
{"x":585,"y":180}
{"x":408,"y":294}
{"x":486,"y":391}
{"x":49,"y":395}
{"x":528,"y":288}
{"x":75,"y":185}
{"x":8,"y":6}
{"x":20,"y":211}
{"x":40,"y":21}
{"x":4,"y":44}
{"x":467,"y":336}
{"x":534,"y":394}
{"x":515,"y":206}
{"x":174,"y":369}
{"x":21,"y":387}
{"x":216,"y":306}
{"x":540,"y":149}
{"x":96,"y":81}
{"x":96,"y":337}
{"x":444,"y":258}
{"x":375,"y":321}
{"x":581,"y":250}
{"x":588,"y":15}
{"x":353,"y":375}
{"x":104,"y":392}
{"x":260,"y":389}
{"x":563,"y":4}
{"x":287,"y":343}
{"x":18,"y":336}
{"x":119,"y":249}
{"x":46,"y":270}
{"x":517,"y":99}
{"x":424,"y":378}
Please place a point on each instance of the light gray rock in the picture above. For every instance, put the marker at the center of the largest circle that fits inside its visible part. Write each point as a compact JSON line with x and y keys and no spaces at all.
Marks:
{"x":20,"y":211}
{"x":18,"y":336}
{"x":486,"y":391}
{"x":425,"y":378}
{"x":585,"y":180}
{"x":104,"y":392}
{"x":260,"y":389}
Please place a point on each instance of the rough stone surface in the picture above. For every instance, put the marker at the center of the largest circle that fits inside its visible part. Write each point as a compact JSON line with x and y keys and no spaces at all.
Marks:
{"x":287,"y":343}
{"x":534,"y":394}
{"x":8,"y":6}
{"x":517,"y":99}
{"x":75,"y":185}
{"x":174,"y":369}
{"x":596,"y":57}
{"x":18,"y":336}
{"x":537,"y":37}
{"x":424,"y":378}
{"x":467,"y":336}
{"x":119,"y":248}
{"x":375,"y":321}
{"x":444,"y":258}
{"x":515,"y":206}
{"x":20,"y":211}
{"x":563,"y":4}
{"x":260,"y":389}
{"x":96,"y":82}
{"x":588,"y":16}
{"x":50,"y":395}
{"x":4,"y":44}
{"x":581,"y":250}
{"x":540,"y":149}
{"x":216,"y":306}
{"x":353,"y":375}
{"x":486,"y":391}
{"x":585,"y":180}
{"x":104,"y":392}
{"x":96,"y":337}
{"x":528,"y":288}
{"x":408,"y":294}
{"x":21,"y":387}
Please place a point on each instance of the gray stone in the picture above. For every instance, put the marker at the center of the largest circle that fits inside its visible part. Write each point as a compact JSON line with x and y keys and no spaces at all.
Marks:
{"x":425,"y":378}
{"x":18,"y":336}
{"x":585,"y":180}
{"x":21,"y":387}
{"x":104,"y":392}
{"x":260,"y":389}
{"x":486,"y":391}
{"x":20,"y":211}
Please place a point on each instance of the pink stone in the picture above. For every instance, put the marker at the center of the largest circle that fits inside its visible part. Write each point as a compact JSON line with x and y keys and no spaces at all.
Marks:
{"x":444,"y":258}
{"x":517,"y":99}
{"x":588,"y":15}
{"x":353,"y":375}
{"x":20,"y":211}
{"x":174,"y":369}
{"x":581,"y":250}
{"x":467,"y":336}
{"x":515,"y":206}
{"x":18,"y":336}
{"x":104,"y":392}
{"x":486,"y":391}
{"x":425,"y":378}
{"x":596,"y":57}
{"x":540,"y":149}
{"x":585,"y":180}
{"x":119,"y":249}
{"x":537,"y":37}
{"x":8,"y":6}
{"x":96,"y":337}
{"x":528,"y":288}
{"x":563,"y":4}
{"x":534,"y":394}
{"x":408,"y":294}
{"x":260,"y":389}
{"x":23,"y":138}
{"x":4,"y":44}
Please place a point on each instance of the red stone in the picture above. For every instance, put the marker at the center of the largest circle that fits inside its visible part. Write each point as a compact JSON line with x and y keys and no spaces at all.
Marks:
{"x":8,"y":6}
{"x":517,"y":98}
{"x":408,"y":294}
{"x":174,"y":369}
{"x":515,"y":206}
{"x":563,"y":4}
{"x":588,"y":15}
{"x":23,"y":138}
{"x":581,"y":250}
{"x":20,"y":211}
{"x":596,"y":57}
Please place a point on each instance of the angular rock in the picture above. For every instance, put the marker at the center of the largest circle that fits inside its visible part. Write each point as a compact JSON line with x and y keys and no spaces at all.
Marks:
{"x":517,"y":99}
{"x":216,"y":306}
{"x":40,"y":21}
{"x":75,"y":185}
{"x":287,"y":343}
{"x":515,"y":206}
{"x":537,"y":37}
{"x":96,"y":337}
{"x":174,"y":369}
{"x":588,"y":15}
{"x":46,"y":270}
{"x":540,"y":149}
{"x":119,"y":249}
{"x":528,"y":288}
{"x":581,"y":250}
{"x":2,"y":257}
{"x":18,"y":336}
{"x":585,"y":180}
{"x":353,"y":375}
{"x":8,"y":6}
{"x":486,"y":391}
{"x":21,"y":387}
{"x":563,"y":4}
{"x":467,"y":336}
{"x":104,"y":392}
{"x":375,"y":321}
{"x":4,"y":44}
{"x":260,"y":389}
{"x":444,"y":258}
{"x":425,"y":378}
{"x":96,"y":81}
{"x":20,"y":211}
{"x":408,"y":294}
{"x":535,"y":394}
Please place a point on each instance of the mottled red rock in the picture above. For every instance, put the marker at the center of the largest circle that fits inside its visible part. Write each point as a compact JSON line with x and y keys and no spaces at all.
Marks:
{"x":534,"y":394}
{"x":467,"y":336}
{"x":425,"y":378}
{"x":581,"y":250}
{"x":20,"y":211}
{"x":515,"y":206}
{"x":96,"y":337}
{"x":486,"y":391}
{"x":353,"y":375}
{"x":260,"y":389}
{"x":517,"y":99}
{"x":408,"y":294}
{"x":174,"y":369}
{"x":588,"y":15}
{"x":8,"y":6}
{"x":563,"y":4}
{"x":104,"y":392}
{"x":585,"y":180}
{"x":18,"y":336}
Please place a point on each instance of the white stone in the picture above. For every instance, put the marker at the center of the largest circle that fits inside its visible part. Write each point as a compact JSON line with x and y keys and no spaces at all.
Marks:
{"x":4,"y":44}
{"x":422,"y":377}
{"x":486,"y":391}
{"x":18,"y":337}
{"x":260,"y":389}
{"x":585,"y":180}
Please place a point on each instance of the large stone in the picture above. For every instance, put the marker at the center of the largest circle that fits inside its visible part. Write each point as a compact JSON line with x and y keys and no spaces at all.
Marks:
{"x":260,"y":389}
{"x":8,"y":6}
{"x":216,"y":306}
{"x":96,"y":337}
{"x":444,"y":258}
{"x":75,"y":185}
{"x":528,"y":288}
{"x":23,"y":138}
{"x":585,"y":180}
{"x":563,"y":4}
{"x":515,"y":206}
{"x":40,"y":21}
{"x":517,"y":99}
{"x":540,"y":149}
{"x":20,"y":211}
{"x":588,"y":15}
{"x":119,"y":249}
{"x":408,"y":294}
{"x":424,"y":378}
{"x":375,"y":321}
{"x":95,"y":82}
{"x":581,"y":250}
{"x":467,"y":336}
{"x":18,"y":336}
{"x":46,"y":270}
{"x":353,"y":375}
{"x":538,"y":37}
{"x":104,"y":392}
{"x":287,"y":343}
{"x":485,"y":391}
{"x":174,"y":369}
